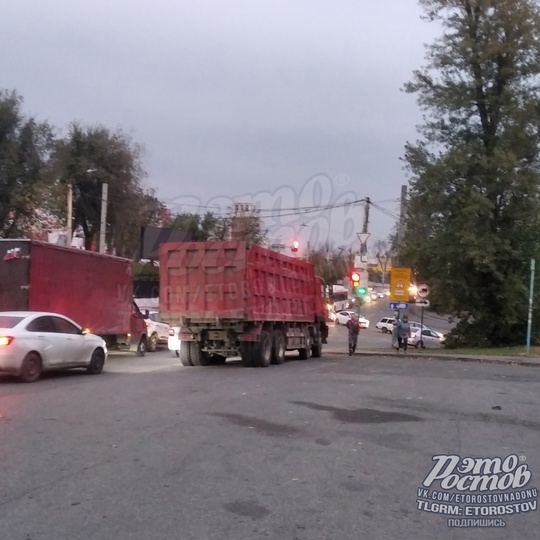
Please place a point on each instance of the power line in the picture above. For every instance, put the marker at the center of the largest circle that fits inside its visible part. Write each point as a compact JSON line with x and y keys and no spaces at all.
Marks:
{"x":387,"y":201}
{"x":389,"y":213}
{"x":282,"y":212}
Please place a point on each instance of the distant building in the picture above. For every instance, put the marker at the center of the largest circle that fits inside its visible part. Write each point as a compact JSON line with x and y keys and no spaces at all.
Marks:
{"x":242,"y":220}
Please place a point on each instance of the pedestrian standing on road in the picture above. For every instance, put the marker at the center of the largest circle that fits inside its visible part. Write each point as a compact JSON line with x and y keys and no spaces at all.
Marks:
{"x":403,"y":332}
{"x":353,"y":325}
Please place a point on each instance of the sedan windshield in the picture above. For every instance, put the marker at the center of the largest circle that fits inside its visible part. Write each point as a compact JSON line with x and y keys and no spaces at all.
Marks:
{"x":9,"y":321}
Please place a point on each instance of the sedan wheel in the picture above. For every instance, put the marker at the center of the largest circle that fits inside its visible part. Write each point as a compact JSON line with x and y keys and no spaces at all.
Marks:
{"x":31,"y":368}
{"x":153,"y":343}
{"x":95,"y":367}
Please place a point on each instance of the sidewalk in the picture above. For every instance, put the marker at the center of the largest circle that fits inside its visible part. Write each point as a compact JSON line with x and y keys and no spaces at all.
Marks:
{"x":437,"y":355}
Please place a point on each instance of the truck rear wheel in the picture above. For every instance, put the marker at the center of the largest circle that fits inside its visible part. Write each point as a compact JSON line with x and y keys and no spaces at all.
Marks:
{"x":246,"y":353}
{"x":316,"y":348}
{"x":185,"y":354}
{"x":262,"y":351}
{"x":198,"y":356}
{"x":305,"y":352}
{"x":278,"y":350}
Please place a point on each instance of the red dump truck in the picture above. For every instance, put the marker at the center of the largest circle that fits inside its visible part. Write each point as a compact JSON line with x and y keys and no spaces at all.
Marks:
{"x":93,"y":289}
{"x":230,"y":299}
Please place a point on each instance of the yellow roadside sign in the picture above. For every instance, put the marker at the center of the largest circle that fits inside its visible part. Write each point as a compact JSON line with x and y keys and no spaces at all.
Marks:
{"x":400,"y":281}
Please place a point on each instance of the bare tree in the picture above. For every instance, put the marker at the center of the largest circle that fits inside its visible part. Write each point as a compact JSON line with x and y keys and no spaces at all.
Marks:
{"x":383,"y":254}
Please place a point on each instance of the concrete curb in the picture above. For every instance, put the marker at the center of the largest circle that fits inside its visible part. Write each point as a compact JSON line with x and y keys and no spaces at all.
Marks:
{"x":507,"y":360}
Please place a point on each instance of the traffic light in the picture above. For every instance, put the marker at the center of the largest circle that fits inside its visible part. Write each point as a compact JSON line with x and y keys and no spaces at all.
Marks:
{"x":361,"y":291}
{"x":355,"y":279}
{"x":295,"y":246}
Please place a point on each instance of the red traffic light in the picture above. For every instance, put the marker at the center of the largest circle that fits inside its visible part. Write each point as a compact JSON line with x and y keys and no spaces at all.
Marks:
{"x":355,"y":276}
{"x":295,"y":245}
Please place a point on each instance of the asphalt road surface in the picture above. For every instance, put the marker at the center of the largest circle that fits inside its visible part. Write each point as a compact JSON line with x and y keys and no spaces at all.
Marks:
{"x":332,"y":449}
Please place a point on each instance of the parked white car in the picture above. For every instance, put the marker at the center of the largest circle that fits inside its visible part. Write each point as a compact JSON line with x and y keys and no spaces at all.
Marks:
{"x":343,"y":317}
{"x":416,"y":326}
{"x":386,"y":324}
{"x":32,"y":342}
{"x":173,"y":341}
{"x":157,"y":330}
{"x":428,"y":339}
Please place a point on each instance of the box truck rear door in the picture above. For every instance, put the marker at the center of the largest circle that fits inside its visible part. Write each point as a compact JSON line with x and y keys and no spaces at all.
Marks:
{"x":14,"y":275}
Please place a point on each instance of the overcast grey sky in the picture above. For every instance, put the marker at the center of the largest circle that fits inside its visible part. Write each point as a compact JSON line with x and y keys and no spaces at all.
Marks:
{"x":282,"y":103}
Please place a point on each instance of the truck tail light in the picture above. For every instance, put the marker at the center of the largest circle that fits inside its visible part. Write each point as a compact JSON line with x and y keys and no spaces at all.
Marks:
{"x":5,"y":341}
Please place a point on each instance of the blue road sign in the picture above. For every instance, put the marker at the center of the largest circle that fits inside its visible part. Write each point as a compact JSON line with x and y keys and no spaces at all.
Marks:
{"x":398,"y":305}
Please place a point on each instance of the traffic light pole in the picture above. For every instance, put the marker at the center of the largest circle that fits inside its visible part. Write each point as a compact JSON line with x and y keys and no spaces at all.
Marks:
{"x":531,"y":298}
{"x":422,"y":328}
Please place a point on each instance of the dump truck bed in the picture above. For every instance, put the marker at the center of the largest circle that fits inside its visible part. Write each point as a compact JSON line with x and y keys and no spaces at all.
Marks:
{"x":206,"y":281}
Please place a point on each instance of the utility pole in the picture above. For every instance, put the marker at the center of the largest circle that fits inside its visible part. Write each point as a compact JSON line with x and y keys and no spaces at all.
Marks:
{"x":402,"y":213}
{"x":366,"y":215}
{"x":103,"y":227}
{"x":69,"y":232}
{"x":363,"y":247}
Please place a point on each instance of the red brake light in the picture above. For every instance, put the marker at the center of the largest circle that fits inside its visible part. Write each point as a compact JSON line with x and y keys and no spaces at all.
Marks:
{"x":5,"y":340}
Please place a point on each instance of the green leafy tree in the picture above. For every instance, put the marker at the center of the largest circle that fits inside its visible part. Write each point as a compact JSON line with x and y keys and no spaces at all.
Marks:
{"x":473,"y":216}
{"x":89,"y":157}
{"x":202,"y":228}
{"x":25,"y":178}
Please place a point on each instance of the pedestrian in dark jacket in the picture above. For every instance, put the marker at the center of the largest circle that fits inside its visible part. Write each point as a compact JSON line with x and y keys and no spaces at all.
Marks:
{"x":353,"y":325}
{"x":403,"y":332}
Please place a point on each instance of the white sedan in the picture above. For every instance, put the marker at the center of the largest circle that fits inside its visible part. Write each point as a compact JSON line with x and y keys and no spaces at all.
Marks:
{"x":32,"y":342}
{"x":343,"y":317}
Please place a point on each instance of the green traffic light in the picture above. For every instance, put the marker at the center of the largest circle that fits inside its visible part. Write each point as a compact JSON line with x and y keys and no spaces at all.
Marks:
{"x":361,"y":291}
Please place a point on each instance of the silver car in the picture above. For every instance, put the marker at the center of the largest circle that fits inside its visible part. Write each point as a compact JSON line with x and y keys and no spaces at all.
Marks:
{"x":428,"y":339}
{"x":32,"y":342}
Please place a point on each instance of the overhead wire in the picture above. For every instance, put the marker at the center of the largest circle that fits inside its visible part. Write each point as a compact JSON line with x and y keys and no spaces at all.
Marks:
{"x":279,"y":212}
{"x":290,"y":211}
{"x":387,"y":212}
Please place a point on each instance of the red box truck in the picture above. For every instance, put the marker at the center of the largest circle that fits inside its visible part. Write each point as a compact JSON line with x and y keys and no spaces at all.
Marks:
{"x":231,"y":299}
{"x":93,"y":289}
